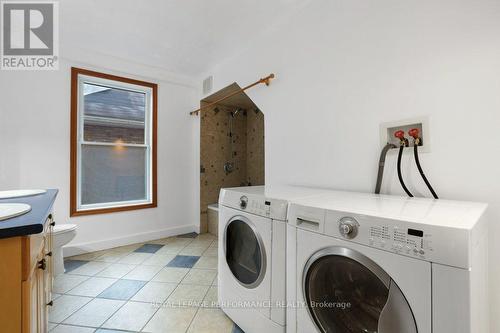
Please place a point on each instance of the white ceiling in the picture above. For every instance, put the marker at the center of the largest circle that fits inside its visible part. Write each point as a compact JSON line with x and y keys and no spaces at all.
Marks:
{"x":181,"y":36}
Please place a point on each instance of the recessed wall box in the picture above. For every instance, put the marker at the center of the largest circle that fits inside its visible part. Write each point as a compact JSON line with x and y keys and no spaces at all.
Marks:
{"x":388,"y":129}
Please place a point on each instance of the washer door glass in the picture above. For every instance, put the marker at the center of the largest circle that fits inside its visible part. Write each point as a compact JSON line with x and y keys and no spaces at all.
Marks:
{"x":343,"y":295}
{"x":244,"y":252}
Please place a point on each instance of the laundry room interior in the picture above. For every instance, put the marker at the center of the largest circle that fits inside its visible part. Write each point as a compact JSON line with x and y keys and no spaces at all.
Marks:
{"x":287,"y":166}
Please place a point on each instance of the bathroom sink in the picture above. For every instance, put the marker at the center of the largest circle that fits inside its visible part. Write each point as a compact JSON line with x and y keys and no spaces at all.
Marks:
{"x":19,"y":193}
{"x":10,"y":210}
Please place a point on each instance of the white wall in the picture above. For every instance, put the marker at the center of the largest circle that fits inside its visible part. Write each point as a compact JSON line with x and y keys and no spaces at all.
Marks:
{"x":35,"y":119}
{"x":345,"y":66}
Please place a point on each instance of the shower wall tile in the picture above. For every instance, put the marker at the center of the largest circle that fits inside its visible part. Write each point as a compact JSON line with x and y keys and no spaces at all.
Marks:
{"x":255,"y":148}
{"x":215,"y":152}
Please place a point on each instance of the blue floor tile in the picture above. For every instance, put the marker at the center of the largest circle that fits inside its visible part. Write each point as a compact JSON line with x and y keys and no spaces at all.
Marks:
{"x":122,"y":289}
{"x":183,"y":261}
{"x":71,"y":265}
{"x":237,"y":329}
{"x":149,"y":248}
{"x":190,"y":235}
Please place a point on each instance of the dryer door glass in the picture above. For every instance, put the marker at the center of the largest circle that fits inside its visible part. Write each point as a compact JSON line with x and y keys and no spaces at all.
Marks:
{"x":244,"y":252}
{"x":348,"y":294}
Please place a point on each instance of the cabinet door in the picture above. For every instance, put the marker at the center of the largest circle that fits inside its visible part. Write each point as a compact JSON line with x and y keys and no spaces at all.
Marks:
{"x":42,"y":300}
{"x":31,"y":322}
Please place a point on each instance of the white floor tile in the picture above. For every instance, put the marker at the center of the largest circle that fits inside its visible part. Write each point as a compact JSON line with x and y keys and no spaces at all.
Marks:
{"x":206,"y":263}
{"x":201,"y":243}
{"x":161,"y":241}
{"x":159,"y":259}
{"x":116,"y":271}
{"x":87,"y":256}
{"x":210,"y":300}
{"x":72,"y":329}
{"x":94,"y":313}
{"x":187,"y":295}
{"x":171,"y":274}
{"x":171,"y":249}
{"x":135,"y":258}
{"x":216,"y":281}
{"x":92,"y":287}
{"x":211,"y":321}
{"x":91,"y":268}
{"x":200,"y":277}
{"x":132,"y":316}
{"x":65,"y":306}
{"x":127,"y":248}
{"x":111,"y":256}
{"x":180,"y":241}
{"x":65,"y":282}
{"x":206,"y":236}
{"x":211,"y":252}
{"x":192,"y":251}
{"x":154,"y":292}
{"x":171,"y":320}
{"x":143,"y":273}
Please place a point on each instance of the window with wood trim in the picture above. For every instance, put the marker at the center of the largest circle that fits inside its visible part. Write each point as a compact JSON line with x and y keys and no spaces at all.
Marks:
{"x":113,"y":143}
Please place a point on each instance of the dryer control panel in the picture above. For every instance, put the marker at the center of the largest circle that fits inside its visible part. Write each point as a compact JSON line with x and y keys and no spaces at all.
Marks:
{"x":255,"y":204}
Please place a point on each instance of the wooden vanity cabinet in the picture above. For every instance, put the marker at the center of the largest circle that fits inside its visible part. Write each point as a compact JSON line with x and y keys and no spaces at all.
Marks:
{"x":26,"y":281}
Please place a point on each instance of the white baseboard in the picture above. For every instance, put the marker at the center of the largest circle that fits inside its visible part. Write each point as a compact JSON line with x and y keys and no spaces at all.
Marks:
{"x":75,"y":249}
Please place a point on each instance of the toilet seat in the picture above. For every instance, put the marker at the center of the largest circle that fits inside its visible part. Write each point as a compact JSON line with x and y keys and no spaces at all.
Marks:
{"x":62,"y":228}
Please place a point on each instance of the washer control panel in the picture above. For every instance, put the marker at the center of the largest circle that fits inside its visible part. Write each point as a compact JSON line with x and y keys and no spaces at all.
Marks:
{"x":388,"y":235}
{"x":400,"y":239}
{"x":394,"y":226}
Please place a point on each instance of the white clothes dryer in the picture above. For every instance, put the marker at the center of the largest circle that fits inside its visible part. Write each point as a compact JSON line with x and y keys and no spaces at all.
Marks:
{"x":252,"y":255}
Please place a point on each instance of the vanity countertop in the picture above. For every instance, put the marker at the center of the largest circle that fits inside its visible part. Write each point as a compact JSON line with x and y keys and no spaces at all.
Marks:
{"x":31,"y":222}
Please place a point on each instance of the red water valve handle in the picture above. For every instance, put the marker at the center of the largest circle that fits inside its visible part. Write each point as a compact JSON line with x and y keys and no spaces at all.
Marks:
{"x":414,"y":132}
{"x":400,"y":134}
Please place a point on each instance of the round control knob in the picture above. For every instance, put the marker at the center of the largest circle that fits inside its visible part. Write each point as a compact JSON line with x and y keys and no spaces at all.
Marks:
{"x":348,"y":227}
{"x":243,"y":202}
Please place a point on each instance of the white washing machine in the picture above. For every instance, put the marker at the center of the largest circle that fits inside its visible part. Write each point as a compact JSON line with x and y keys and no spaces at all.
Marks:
{"x":371,"y":263}
{"x":252,"y":255}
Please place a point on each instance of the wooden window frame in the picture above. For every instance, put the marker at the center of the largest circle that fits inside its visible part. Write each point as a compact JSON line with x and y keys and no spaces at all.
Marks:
{"x":74,"y":211}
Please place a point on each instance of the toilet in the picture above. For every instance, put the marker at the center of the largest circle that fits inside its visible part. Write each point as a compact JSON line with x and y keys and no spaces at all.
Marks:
{"x":62,"y":235}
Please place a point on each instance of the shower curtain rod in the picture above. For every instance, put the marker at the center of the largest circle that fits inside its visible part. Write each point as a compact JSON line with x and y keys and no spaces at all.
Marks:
{"x":266,"y":80}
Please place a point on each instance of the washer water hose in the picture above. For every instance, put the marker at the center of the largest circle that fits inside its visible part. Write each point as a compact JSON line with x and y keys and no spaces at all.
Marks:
{"x":414,"y":133}
{"x":403,"y":142}
{"x":381,"y":165}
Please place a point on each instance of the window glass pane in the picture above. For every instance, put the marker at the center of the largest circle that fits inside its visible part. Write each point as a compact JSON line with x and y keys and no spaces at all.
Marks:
{"x":113,"y":174}
{"x":113,"y":115}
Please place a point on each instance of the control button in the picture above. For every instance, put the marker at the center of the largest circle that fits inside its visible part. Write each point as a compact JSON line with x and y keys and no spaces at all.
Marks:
{"x":415,"y":251}
{"x":422,"y":252}
{"x":243,"y":202}
{"x":348,"y":227}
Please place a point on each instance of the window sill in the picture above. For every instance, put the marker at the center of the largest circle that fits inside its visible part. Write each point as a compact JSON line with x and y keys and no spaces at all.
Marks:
{"x":96,"y":211}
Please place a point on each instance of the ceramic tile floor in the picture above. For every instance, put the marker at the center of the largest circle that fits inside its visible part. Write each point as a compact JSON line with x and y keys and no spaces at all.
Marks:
{"x":166,"y":285}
